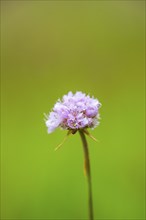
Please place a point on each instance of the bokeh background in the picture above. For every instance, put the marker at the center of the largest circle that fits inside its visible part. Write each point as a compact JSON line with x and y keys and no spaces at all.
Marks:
{"x":50,"y":48}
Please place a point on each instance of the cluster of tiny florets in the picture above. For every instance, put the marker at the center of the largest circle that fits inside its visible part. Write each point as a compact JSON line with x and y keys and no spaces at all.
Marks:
{"x":74,"y":112}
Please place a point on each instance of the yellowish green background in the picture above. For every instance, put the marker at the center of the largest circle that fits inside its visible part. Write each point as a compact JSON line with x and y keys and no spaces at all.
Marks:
{"x":50,"y":48}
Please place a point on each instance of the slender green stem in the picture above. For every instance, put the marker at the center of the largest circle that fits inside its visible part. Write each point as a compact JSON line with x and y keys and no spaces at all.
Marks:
{"x":88,"y":172}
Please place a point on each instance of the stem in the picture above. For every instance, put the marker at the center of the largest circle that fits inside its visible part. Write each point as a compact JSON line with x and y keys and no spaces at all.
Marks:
{"x":88,"y":172}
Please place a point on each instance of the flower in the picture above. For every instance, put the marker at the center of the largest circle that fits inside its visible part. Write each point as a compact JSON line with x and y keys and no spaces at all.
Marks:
{"x":74,"y":112}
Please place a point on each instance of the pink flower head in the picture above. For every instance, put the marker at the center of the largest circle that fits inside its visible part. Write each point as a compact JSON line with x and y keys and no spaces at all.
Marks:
{"x":74,"y":112}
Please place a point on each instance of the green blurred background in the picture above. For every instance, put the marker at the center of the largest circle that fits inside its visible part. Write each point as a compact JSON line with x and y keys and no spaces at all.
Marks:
{"x":48,"y":49}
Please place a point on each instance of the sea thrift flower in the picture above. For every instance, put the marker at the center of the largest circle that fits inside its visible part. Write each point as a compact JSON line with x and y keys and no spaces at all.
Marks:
{"x":74,"y":112}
